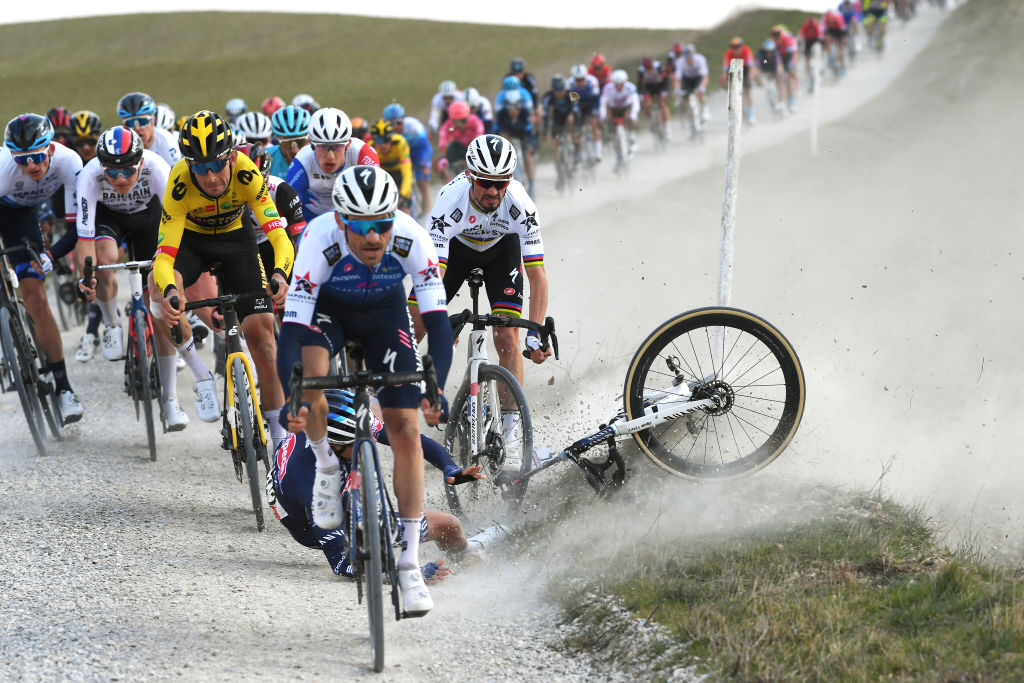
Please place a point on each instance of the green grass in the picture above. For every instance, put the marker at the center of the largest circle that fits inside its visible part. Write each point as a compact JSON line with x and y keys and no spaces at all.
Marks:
{"x":195,"y":60}
{"x":864,"y":597}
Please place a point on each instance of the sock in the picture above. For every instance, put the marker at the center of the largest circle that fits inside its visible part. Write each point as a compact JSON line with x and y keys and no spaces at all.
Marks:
{"x":325,"y":460}
{"x":108,"y":309}
{"x":597,"y":145}
{"x":95,"y":316}
{"x":410,"y":556}
{"x":193,"y":361}
{"x":60,"y":376}
{"x":277,"y":432}
{"x":168,"y":376}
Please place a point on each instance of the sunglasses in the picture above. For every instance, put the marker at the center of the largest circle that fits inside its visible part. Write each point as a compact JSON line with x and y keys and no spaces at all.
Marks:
{"x":138,"y":121}
{"x":85,"y":142}
{"x":33,"y":157}
{"x":122,"y":172}
{"x":487,"y":183}
{"x":288,"y":142}
{"x":379,"y":226}
{"x":331,"y":146}
{"x":204,"y":167}
{"x":381,"y":141}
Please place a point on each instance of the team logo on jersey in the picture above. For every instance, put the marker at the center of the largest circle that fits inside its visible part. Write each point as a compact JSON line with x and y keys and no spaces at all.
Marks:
{"x":456,"y":215}
{"x":513,"y":211}
{"x":530,"y":221}
{"x":509,"y":291}
{"x":472,"y":220}
{"x":304,"y":284}
{"x":431,"y":271}
{"x":270,"y":213}
{"x":348,"y":268}
{"x":437,"y":223}
{"x":85,"y":209}
{"x":332,"y":254}
{"x":401,"y":246}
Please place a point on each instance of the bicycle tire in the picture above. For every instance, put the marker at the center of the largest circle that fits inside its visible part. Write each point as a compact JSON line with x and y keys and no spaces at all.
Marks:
{"x":144,"y":378}
{"x":243,"y":403}
{"x":49,"y":401}
{"x":29,"y":399}
{"x":707,"y":444}
{"x":479,"y":502}
{"x":61,"y":306}
{"x":371,"y":556}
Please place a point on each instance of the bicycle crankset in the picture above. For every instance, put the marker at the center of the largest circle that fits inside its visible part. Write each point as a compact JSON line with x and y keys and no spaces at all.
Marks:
{"x":595,"y":471}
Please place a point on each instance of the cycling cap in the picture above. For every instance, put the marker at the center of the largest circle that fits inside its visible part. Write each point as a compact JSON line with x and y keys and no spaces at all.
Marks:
{"x":119,"y":147}
{"x":341,"y":417}
{"x":255,"y":125}
{"x":619,"y":76}
{"x":365,"y":191}
{"x":136,"y":104}
{"x":304,"y":101}
{"x":164,"y":117}
{"x":393,"y":111}
{"x":258,"y":153}
{"x":513,"y":98}
{"x":447,"y":88}
{"x":86,"y":124}
{"x":516,"y":66}
{"x":491,"y":155}
{"x":28,"y":131}
{"x":579,"y":71}
{"x":472,"y":97}
{"x":382,"y":130}
{"x":458,"y":110}
{"x":235,"y":107}
{"x":205,"y":136}
{"x":329,"y":125}
{"x":290,"y":122}
{"x":511,"y":83}
{"x":271,"y":104}
{"x":60,"y":118}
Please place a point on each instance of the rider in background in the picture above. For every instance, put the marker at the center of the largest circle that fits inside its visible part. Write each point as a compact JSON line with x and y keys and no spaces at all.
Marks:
{"x":835,"y":34}
{"x":512,"y":84}
{"x":737,"y":50}
{"x":480,"y":107}
{"x":234,"y":109}
{"x":770,"y":66}
{"x":60,"y":119}
{"x":85,"y":133}
{"x":420,"y":149}
{"x":692,"y":75}
{"x":560,"y":115}
{"x":517,"y":69}
{"x":137,"y":111}
{"x":306,"y":102}
{"x":256,"y":127}
{"x":876,"y":16}
{"x":290,"y":126}
{"x":787,"y":48}
{"x":271,"y":105}
{"x":654,"y":80}
{"x":586,"y":86}
{"x":393,"y":152}
{"x":445,"y":95}
{"x":361,"y":129}
{"x":619,"y":99}
{"x":284,"y":197}
{"x":457,"y":132}
{"x":850,"y":9}
{"x":600,"y":70}
{"x":515,"y":122}
{"x":810,"y":34}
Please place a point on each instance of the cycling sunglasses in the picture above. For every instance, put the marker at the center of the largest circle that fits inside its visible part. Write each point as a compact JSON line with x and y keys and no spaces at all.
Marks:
{"x":34,"y":157}
{"x":335,"y":147}
{"x":288,"y":142}
{"x":487,"y":183}
{"x":122,"y":172}
{"x":204,"y":167}
{"x":381,"y":141}
{"x":138,"y":121}
{"x":85,"y":142}
{"x":379,"y":226}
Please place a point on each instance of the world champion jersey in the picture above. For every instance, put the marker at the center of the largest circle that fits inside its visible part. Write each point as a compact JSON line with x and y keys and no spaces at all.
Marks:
{"x":94,"y":189}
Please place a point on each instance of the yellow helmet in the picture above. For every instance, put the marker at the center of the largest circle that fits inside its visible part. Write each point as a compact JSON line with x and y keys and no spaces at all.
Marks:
{"x":205,"y":136}
{"x":86,"y":124}
{"x":180,"y":122}
{"x":381,"y":130}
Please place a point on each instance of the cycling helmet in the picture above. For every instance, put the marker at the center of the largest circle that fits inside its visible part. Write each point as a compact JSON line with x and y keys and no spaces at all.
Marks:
{"x":365,"y":191}
{"x":382,"y":130}
{"x":393,"y":111}
{"x":329,"y":125}
{"x":447,"y":88}
{"x":513,"y":98}
{"x":619,"y":76}
{"x":235,"y":107}
{"x":511,"y":83}
{"x":598,"y":61}
{"x":776,"y":30}
{"x":688,"y":50}
{"x":180,"y":122}
{"x":359,"y":127}
{"x":472,"y":97}
{"x":205,"y":136}
{"x":341,"y":417}
{"x":290,"y":122}
{"x":738,"y":42}
{"x":255,"y":125}
{"x":648,"y":63}
{"x":516,"y":66}
{"x":119,"y":147}
{"x":136,"y":104}
{"x":579,"y":71}
{"x":491,"y":155}
{"x":769,"y":45}
{"x":237,"y":136}
{"x":304,"y":101}
{"x":86,"y":124}
{"x":60,"y":119}
{"x":677,"y":48}
{"x":45,"y":212}
{"x":458,"y":110}
{"x":271,"y":104}
{"x":258,"y":153}
{"x":164,"y":117}
{"x":28,"y":131}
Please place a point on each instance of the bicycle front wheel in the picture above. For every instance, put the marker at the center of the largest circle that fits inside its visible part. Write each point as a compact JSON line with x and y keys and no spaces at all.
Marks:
{"x":372,"y":551}
{"x":733,"y":357}
{"x":143,"y":378}
{"x":248,"y":437}
{"x":504,"y":435}
{"x":19,"y":365}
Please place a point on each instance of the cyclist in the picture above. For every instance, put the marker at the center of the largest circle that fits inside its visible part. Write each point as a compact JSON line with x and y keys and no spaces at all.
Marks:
{"x":361,"y":130}
{"x":284,"y":197}
{"x":137,"y":111}
{"x":517,"y":69}
{"x":835,"y":35}
{"x":201,"y":224}
{"x":653,"y":80}
{"x":850,"y":9}
{"x":256,"y":128}
{"x":271,"y":105}
{"x":420,"y":149}
{"x":480,"y":107}
{"x":810,"y":34}
{"x":349,"y":285}
{"x":515,"y":123}
{"x":85,"y":132}
{"x":560,"y":115}
{"x":586,"y":86}
{"x":600,"y":70}
{"x":234,"y":110}
{"x":786,"y":46}
{"x":457,"y":132}
{"x":770,"y":67}
{"x":737,"y":50}
{"x":331,"y":150}
{"x":306,"y":102}
{"x":509,"y":85}
{"x":619,"y":99}
{"x":393,"y":153}
{"x":164,"y":117}
{"x":60,"y":119}
{"x":876,"y":16}
{"x":445,"y":95}
{"x":32,"y":168}
{"x":692,"y":76}
{"x":294,"y":468}
{"x":290,"y":126}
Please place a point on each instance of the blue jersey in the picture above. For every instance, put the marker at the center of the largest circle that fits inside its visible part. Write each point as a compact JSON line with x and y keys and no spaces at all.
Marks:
{"x":499,"y":100}
{"x":278,"y":164}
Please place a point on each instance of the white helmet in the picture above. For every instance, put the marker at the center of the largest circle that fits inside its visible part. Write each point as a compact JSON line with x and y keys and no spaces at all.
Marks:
{"x":472,"y":97}
{"x":491,"y":155}
{"x":619,"y":76}
{"x":255,"y":125}
{"x":364,"y":191}
{"x":447,"y":88}
{"x":235,"y":107}
{"x":579,"y":71}
{"x":513,"y":98}
{"x":329,"y":125}
{"x":164,"y":117}
{"x":305,"y":100}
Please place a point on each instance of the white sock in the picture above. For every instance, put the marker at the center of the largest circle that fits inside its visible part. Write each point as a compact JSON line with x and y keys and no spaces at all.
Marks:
{"x":168,"y":376}
{"x":410,"y":557}
{"x":597,"y":145}
{"x":195,"y":363}
{"x":325,"y":460}
{"x":108,"y":309}
{"x":277,"y":432}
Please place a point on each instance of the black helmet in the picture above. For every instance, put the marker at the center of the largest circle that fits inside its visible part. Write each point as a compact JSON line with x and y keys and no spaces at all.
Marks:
{"x":557,"y":82}
{"x":119,"y":147}
{"x":259,"y":155}
{"x":28,"y":131}
{"x":60,"y":119}
{"x":136,"y":104}
{"x":205,"y":136}
{"x":86,"y":124}
{"x":516,"y":66}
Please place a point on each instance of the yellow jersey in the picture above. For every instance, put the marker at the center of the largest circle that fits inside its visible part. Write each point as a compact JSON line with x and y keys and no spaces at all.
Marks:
{"x":398,"y":163}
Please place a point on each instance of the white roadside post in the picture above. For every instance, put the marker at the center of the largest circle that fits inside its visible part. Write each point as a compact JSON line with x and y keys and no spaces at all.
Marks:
{"x":732,"y":187}
{"x":816,"y":56}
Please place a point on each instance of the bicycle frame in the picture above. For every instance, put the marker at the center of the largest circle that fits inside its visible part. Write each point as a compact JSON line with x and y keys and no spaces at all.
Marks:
{"x":134,"y":269}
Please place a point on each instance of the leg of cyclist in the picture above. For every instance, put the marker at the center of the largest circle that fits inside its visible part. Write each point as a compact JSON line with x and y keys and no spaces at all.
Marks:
{"x":33,"y":294}
{"x":258,"y":329}
{"x":107,"y":253}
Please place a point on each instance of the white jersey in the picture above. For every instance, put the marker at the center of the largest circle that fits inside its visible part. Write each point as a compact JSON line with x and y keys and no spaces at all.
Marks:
{"x":166,"y":145}
{"x":314,"y":185}
{"x":437,"y":106}
{"x":484,"y":111}
{"x":94,"y":189}
{"x":613,"y":98}
{"x":699,"y":68}
{"x":18,"y":190}
{"x":453,"y":216}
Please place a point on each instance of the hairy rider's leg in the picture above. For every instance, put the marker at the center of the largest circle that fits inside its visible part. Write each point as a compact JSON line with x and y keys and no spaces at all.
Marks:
{"x":404,"y":436}
{"x":510,"y":357}
{"x":446,"y":530}
{"x":33,"y":294}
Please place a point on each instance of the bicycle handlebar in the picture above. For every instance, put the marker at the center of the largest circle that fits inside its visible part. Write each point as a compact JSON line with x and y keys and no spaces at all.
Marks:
{"x":361,"y":379}
{"x":545,"y":331}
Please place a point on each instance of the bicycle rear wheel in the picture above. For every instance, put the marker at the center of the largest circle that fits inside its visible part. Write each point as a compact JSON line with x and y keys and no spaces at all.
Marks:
{"x":22,"y":376}
{"x":143,"y":378}
{"x":371,"y":554}
{"x":46,"y":390}
{"x":481,"y":502}
{"x":735,"y":357}
{"x":249,"y":437}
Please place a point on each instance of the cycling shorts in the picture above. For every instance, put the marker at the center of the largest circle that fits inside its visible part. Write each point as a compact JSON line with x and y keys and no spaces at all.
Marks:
{"x":837,"y":33}
{"x":421,"y":153}
{"x":690,"y":84}
{"x":787,"y":62}
{"x":878,"y":13}
{"x":138,"y":231}
{"x":241,"y":269}
{"x":503,"y":273}
{"x":17,"y":223}
{"x":809,"y":44}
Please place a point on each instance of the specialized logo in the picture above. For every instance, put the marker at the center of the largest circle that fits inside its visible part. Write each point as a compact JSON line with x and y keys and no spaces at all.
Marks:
{"x":513,"y":211}
{"x":457,"y":215}
{"x":401,"y":245}
{"x":332,"y":254}
{"x":389,"y":359}
{"x":495,"y":143}
{"x":514,"y":273}
{"x":437,"y":223}
{"x":364,"y":176}
{"x":304,"y":284}
{"x":530,"y":221}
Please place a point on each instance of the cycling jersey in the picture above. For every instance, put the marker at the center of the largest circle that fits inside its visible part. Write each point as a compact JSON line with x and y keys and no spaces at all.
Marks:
{"x":94,"y":189}
{"x":450,"y":133}
{"x":18,"y":190}
{"x":614,"y":98}
{"x":288,"y":205}
{"x":811,"y":29}
{"x":518,"y":128}
{"x":188,"y":209}
{"x":654,"y":82}
{"x":603,"y":75}
{"x":313,"y":185}
{"x":767,"y":61}
{"x":398,"y":163}
{"x":834,"y":21}
{"x":485,"y":112}
{"x":589,"y":92}
{"x":744,"y":53}
{"x":278,"y":164}
{"x":697,"y":69}
{"x":165,"y":145}
{"x":558,"y":109}
{"x":499,"y":100}
{"x":439,"y":109}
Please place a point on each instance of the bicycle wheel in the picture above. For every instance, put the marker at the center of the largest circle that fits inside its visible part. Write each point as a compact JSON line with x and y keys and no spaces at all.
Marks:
{"x":143,"y":378}
{"x":249,"y":437}
{"x":46,"y":390}
{"x":722,"y":353}
{"x":372,"y":552}
{"x":20,"y":373}
{"x":481,"y":502}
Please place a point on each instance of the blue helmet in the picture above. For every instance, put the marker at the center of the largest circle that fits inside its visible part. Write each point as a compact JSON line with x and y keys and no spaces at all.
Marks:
{"x":28,"y":131}
{"x":511,"y":83}
{"x":769,"y":45}
{"x":136,"y":104}
{"x":393,"y":111}
{"x":290,"y":122}
{"x":341,"y":417}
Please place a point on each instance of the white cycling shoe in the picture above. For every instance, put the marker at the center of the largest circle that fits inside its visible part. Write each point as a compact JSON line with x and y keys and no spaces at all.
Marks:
{"x":86,"y":347}
{"x":174,"y":416}
{"x":70,"y":409}
{"x":328,"y":511}
{"x":207,"y":406}
{"x":113,"y":343}
{"x":416,"y":600}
